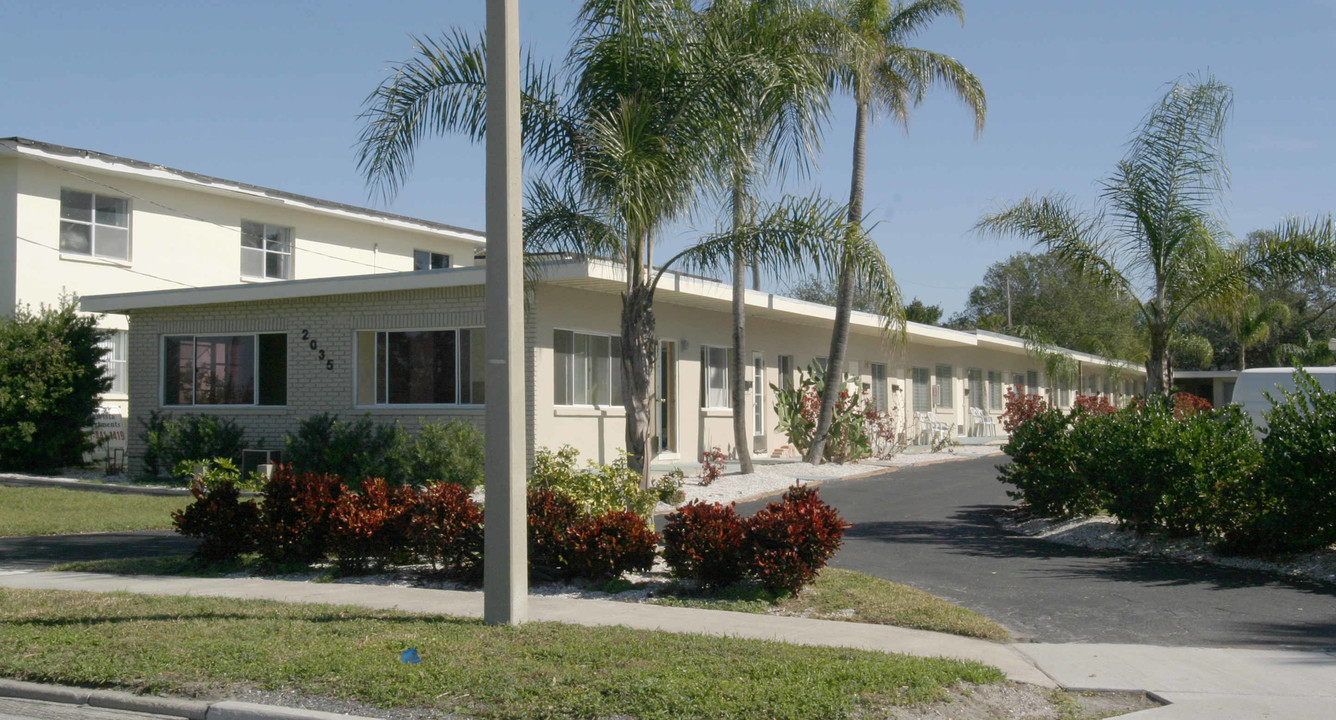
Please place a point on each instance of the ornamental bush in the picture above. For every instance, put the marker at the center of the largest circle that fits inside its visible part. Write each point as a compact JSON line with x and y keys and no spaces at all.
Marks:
{"x":788,"y":542}
{"x":607,"y":545}
{"x":1291,"y":504}
{"x":170,"y":441}
{"x":50,"y":380}
{"x":296,"y":515}
{"x":703,"y":542}
{"x":798,"y":407}
{"x":446,"y":529}
{"x":1049,"y":477}
{"x":595,"y":490}
{"x":551,"y":516}
{"x":1020,"y":407}
{"x":224,"y":525}
{"x":354,"y":451}
{"x":369,"y":528}
{"x":449,"y":452}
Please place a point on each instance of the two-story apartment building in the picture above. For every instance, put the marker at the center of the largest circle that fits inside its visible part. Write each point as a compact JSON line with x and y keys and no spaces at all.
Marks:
{"x":88,"y":223}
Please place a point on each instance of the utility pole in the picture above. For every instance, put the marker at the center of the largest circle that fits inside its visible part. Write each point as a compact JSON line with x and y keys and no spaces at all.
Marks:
{"x":1008,"y":302}
{"x":505,"y":550}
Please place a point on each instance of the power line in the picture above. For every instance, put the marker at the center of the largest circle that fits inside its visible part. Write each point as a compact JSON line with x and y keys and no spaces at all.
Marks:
{"x":116,"y":265}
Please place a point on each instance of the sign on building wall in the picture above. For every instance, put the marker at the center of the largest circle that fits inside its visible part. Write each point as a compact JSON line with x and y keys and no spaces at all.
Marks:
{"x":109,"y":438}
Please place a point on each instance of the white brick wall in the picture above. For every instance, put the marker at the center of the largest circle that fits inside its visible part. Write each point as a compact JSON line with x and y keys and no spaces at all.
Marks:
{"x":312,"y":388}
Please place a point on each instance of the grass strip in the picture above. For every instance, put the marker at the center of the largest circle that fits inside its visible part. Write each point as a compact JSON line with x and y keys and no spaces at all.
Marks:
{"x":202,"y":646}
{"x":855,"y":597}
{"x":55,"y":511}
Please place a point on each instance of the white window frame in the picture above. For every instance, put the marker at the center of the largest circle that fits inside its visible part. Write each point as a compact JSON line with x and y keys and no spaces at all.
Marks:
{"x":706,"y":388}
{"x":758,"y":388}
{"x":114,"y":361}
{"x":93,"y":225}
{"x":945,"y":399}
{"x":881,"y":396}
{"x":921,"y":377}
{"x":996,"y":382}
{"x":194,"y":386}
{"x":431,"y":260}
{"x":459,"y":387}
{"x":614,"y":371}
{"x":264,"y":251}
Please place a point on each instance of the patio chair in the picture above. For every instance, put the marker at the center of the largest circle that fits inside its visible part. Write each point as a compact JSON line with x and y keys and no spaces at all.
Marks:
{"x":982,"y":424}
{"x":931,"y":430}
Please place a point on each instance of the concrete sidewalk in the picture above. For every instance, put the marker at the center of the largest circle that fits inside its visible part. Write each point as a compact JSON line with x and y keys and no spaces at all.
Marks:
{"x":801,"y":631}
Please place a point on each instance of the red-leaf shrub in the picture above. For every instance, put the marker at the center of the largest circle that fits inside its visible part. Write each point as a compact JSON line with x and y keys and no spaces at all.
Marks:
{"x":224,"y":525}
{"x":610,"y":544}
{"x":1186,"y":405}
{"x":370,"y":527}
{"x":1093,"y":405}
{"x":551,"y":517}
{"x":712,"y":465}
{"x":446,"y":528}
{"x":1020,"y":408}
{"x":788,"y":542}
{"x":295,"y":515}
{"x":703,"y":541}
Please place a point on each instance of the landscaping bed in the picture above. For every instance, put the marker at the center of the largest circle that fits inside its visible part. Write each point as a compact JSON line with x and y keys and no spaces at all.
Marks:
{"x":53,"y":511}
{"x":203,"y":647}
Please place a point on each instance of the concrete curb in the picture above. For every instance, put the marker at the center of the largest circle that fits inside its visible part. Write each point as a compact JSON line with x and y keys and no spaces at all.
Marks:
{"x":80,"y":485}
{"x":153,"y":705}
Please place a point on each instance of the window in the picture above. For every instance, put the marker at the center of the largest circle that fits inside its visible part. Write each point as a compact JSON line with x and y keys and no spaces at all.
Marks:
{"x":945,"y":387}
{"x":1032,"y":381}
{"x":880,"y":398}
{"x":588,"y":369}
{"x":758,"y":394}
{"x":994,"y":390}
{"x":420,"y":367}
{"x":1018,"y":383}
{"x":94,"y":225}
{"x":714,"y":376}
{"x":821,"y":362}
{"x":266,"y":251}
{"x":225,"y":369}
{"x":922,"y":390}
{"x":428,"y":260}
{"x":114,"y":361}
{"x":785,"y":364}
{"x":977,"y":389}
{"x":1064,"y":393}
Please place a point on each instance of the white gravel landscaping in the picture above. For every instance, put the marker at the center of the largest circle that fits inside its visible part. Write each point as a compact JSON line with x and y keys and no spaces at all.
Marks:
{"x":1103,"y":533}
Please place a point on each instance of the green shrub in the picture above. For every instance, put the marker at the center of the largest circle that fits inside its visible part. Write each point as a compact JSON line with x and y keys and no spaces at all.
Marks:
{"x":216,"y":472}
{"x":668,"y":488}
{"x":169,"y":441}
{"x":354,"y":451}
{"x":448,"y":452}
{"x":1291,"y":504}
{"x":50,"y":380}
{"x":1044,"y":467}
{"x":595,"y":490}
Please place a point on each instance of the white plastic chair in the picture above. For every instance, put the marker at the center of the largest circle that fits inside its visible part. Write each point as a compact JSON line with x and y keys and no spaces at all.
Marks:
{"x":982,"y":425}
{"x":930,"y":430}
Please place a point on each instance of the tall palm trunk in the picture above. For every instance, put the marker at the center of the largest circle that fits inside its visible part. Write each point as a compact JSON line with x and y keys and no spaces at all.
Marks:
{"x":639,"y":353}
{"x":736,"y":369}
{"x":1159,"y":376}
{"x":844,"y":297}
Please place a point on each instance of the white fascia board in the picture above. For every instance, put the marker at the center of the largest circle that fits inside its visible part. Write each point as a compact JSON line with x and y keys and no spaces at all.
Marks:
{"x":284,"y":290}
{"x":167,"y":177}
{"x":1015,"y":343}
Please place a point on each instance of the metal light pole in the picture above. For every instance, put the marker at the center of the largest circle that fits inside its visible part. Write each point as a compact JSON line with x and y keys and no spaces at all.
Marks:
{"x":505,"y":553}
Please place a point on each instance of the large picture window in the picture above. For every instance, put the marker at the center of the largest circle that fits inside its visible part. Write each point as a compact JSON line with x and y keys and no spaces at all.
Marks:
{"x":587,"y":369}
{"x":714,"y":380}
{"x":420,"y":367}
{"x":266,"y":251}
{"x":94,"y":225}
{"x":225,"y":369}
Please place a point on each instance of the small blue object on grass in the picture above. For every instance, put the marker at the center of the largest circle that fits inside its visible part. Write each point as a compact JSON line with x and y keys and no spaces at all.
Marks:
{"x":410,"y":656}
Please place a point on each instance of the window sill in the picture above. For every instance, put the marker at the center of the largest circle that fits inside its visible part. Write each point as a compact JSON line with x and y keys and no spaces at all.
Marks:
{"x":121,"y":397}
{"x":588,"y":411}
{"x":94,"y":260}
{"x":227,"y":409}
{"x":716,"y":412}
{"x":249,"y":279}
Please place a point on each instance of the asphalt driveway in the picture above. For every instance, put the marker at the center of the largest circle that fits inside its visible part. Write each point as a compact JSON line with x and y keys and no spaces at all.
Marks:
{"x":934,"y":528}
{"x":37,"y":552}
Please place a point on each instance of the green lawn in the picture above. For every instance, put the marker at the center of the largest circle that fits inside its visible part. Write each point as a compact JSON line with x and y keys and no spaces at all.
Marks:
{"x":856,"y":597}
{"x":202,"y":646}
{"x":52,"y":511}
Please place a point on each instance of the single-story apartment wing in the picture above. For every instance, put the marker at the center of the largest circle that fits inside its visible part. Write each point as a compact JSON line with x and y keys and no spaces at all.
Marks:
{"x":408,"y":348}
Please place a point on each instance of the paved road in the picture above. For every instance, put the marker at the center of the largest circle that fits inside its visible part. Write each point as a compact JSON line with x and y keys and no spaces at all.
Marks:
{"x":43,"y":551}
{"x":933,"y":527}
{"x":15,"y":709}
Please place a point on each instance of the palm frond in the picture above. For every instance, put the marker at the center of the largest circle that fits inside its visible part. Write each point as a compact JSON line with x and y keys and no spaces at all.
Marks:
{"x":1074,"y":237}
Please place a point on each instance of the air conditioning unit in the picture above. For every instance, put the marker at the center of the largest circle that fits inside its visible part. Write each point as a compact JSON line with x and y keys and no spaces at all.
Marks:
{"x":253,"y":459}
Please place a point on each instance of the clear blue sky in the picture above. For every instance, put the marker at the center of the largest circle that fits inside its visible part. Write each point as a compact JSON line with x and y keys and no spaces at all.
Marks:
{"x":269,"y":92}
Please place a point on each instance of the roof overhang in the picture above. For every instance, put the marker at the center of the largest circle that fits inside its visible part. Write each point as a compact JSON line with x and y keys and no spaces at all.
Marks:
{"x":67,"y":157}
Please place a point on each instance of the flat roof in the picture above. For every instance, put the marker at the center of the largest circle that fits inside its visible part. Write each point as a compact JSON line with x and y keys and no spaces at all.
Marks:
{"x":60,"y":154}
{"x":588,"y":274}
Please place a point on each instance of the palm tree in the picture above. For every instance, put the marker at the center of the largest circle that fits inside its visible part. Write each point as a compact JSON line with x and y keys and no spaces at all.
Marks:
{"x":1252,"y":321}
{"x":620,"y":141}
{"x":1156,"y":238}
{"x":873,"y":63}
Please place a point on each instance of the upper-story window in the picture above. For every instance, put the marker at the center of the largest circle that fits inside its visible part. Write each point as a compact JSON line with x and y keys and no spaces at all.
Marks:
{"x":94,"y":225}
{"x":266,"y":251}
{"x":428,"y":260}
